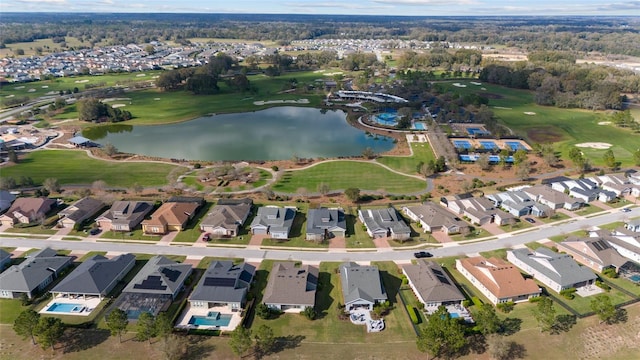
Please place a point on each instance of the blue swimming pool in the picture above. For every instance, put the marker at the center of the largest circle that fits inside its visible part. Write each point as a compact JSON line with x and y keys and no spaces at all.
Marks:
{"x":220,"y":320}
{"x":388,"y":119}
{"x":65,"y":308}
{"x":635,"y":278}
{"x":419,"y":126}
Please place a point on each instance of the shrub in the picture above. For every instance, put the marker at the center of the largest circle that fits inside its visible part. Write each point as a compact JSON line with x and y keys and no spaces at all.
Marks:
{"x":263,"y":311}
{"x":604,"y":286}
{"x":197,"y":166}
{"x":275,"y":168}
{"x":568,"y":293}
{"x":466,"y":303}
{"x":610,"y":272}
{"x":476,"y":301}
{"x":310,"y":313}
{"x":506,"y":307}
{"x":535,"y":299}
{"x":413,"y":314}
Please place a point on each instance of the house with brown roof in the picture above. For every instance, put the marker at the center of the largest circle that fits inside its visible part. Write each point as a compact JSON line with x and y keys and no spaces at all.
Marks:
{"x":432,"y":217}
{"x":80,"y":211}
{"x":226,"y":218}
{"x":595,"y":253}
{"x":27,"y":210}
{"x":170,"y":216}
{"x":431,"y":284}
{"x":291,"y":287}
{"x":124,"y":215}
{"x":498,"y":280}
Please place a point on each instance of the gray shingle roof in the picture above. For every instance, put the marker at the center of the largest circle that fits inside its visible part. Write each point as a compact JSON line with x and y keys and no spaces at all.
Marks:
{"x":159,"y":276}
{"x":227,"y":216}
{"x":127,"y":212}
{"x":95,"y":275}
{"x":291,"y":285}
{"x":432,"y":282}
{"x":319,"y":220}
{"x":383,"y":219}
{"x":560,"y":268}
{"x":277,"y":219}
{"x":361,"y":282}
{"x":224,"y":282}
{"x":35,"y":269}
{"x":82,"y":209}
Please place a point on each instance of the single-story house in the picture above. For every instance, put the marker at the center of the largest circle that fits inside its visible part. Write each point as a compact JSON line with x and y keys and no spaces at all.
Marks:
{"x":540,"y":210}
{"x":291,"y":287}
{"x":632,"y":225}
{"x":557,"y":271}
{"x":595,"y":253}
{"x":6,"y":198}
{"x":226,"y":218}
{"x":606,"y":196}
{"x":80,"y":211}
{"x":27,"y":210}
{"x":5,"y":259}
{"x":223,"y":284}
{"x":324,"y":223}
{"x":124,"y":215}
{"x":519,"y":208}
{"x":623,"y":241}
{"x":170,"y":216}
{"x":554,"y":199}
{"x":361,"y":286}
{"x":95,"y":277}
{"x":432,"y":217}
{"x":431,"y":284}
{"x":384,"y":223}
{"x":274,"y":221}
{"x":498,"y":280}
{"x":33,"y":275}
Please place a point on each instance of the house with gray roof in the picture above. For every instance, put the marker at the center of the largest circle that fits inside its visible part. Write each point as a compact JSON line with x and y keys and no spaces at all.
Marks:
{"x":291,"y":287}
{"x":5,"y":259}
{"x":554,"y":199}
{"x":33,"y":275}
{"x":124,"y":215}
{"x":593,"y":252}
{"x":557,"y":271}
{"x":79,"y":211}
{"x":432,"y":217}
{"x":384,"y":222}
{"x":6,"y":198}
{"x":95,"y":277}
{"x":223,"y":284}
{"x":361,"y":286}
{"x":324,"y":224}
{"x":632,"y":225}
{"x":226,"y":218}
{"x":431,"y":284}
{"x":274,"y":221}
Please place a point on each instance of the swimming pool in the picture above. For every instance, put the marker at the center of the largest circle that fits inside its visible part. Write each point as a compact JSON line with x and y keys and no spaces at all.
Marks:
{"x":387,"y":118}
{"x":635,"y":278}
{"x":65,"y":308}
{"x":419,"y":126}
{"x":220,"y":320}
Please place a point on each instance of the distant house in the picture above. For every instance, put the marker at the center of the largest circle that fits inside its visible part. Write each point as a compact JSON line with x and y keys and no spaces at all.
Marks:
{"x":124,"y":215}
{"x":226,"y":218}
{"x":5,"y":259}
{"x":80,"y":211}
{"x":223,"y":284}
{"x":632,"y":225}
{"x":6,"y":198}
{"x":552,"y":198}
{"x":274,"y":221}
{"x":32,"y":275}
{"x":606,"y":196}
{"x":324,"y":223}
{"x":626,"y":242}
{"x":154,"y":287}
{"x":170,"y":216}
{"x":291,"y":287}
{"x":595,"y":253}
{"x":27,"y":210}
{"x":82,"y":142}
{"x":431,"y":284}
{"x":432,"y":217}
{"x":557,"y":271}
{"x":384,"y":222}
{"x":95,"y":277}
{"x":361,"y":286}
{"x":479,"y":210}
{"x":498,"y":280}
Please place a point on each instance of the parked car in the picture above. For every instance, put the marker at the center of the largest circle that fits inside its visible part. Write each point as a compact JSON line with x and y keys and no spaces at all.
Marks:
{"x":206,"y":237}
{"x":530,"y":220}
{"x":95,"y":231}
{"x":422,"y":254}
{"x":625,"y":210}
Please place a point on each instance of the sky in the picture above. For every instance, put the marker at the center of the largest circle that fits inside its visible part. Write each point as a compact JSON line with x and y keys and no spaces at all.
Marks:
{"x":346,"y":7}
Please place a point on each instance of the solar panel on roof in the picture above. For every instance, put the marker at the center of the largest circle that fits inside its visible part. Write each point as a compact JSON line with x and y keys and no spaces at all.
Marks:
{"x":152,"y":282}
{"x":216,"y":281}
{"x":172,"y":275}
{"x":600,"y":245}
{"x":246,"y":276}
{"x":443,"y":279}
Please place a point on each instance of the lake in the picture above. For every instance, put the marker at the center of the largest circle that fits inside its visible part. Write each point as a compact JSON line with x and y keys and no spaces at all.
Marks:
{"x":273,"y":134}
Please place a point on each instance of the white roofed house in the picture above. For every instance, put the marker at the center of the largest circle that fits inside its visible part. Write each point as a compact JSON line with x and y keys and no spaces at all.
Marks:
{"x":384,"y":222}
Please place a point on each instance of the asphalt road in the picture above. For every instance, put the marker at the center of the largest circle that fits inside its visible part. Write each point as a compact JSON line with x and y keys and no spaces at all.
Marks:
{"x":341,"y":255}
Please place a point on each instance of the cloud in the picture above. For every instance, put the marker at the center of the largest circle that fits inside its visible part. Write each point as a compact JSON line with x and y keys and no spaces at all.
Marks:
{"x":48,"y":2}
{"x":427,"y":2}
{"x":336,"y":5}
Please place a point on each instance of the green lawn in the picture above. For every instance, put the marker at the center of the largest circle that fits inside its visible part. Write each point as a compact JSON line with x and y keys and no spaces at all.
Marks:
{"x":31,"y":230}
{"x":562,"y":127}
{"x":136,"y":234}
{"x":588,"y":209}
{"x":477,"y":233}
{"x":340,"y":175}
{"x":422,"y":152}
{"x":9,"y":310}
{"x":75,"y":167}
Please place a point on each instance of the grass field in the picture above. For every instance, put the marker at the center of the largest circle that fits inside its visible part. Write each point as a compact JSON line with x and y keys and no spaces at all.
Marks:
{"x":562,"y":127}
{"x":340,"y":175}
{"x":75,"y":167}
{"x":422,"y":152}
{"x":47,"y":46}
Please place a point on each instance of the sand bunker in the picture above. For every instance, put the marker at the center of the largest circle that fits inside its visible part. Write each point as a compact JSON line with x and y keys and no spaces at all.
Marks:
{"x":10,"y":96}
{"x":459,"y":85}
{"x":334,"y":73}
{"x":45,"y":86}
{"x":31,"y":90}
{"x":140,"y":75}
{"x":115,"y":99}
{"x":81,"y":81}
{"x":595,"y":145}
{"x":318,"y":71}
{"x":604,"y":123}
{"x":529,"y":113}
{"x":156,"y":99}
{"x":483,"y":88}
{"x":118,"y":105}
{"x":301,"y":101}
{"x":475,"y":83}
{"x":502,"y":107}
{"x":19,"y":87}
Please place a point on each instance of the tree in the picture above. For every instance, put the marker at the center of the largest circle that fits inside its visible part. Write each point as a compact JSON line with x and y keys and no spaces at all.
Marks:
{"x":265,"y":340}
{"x":145,"y":327}
{"x":500,"y":348}
{"x":483,"y":162}
{"x":603,"y":307}
{"x":263,"y":311}
{"x":99,"y":186}
{"x":175,"y":347}
{"x":522,"y":170}
{"x":610,"y":159}
{"x":323,"y":188}
{"x":241,"y":340}
{"x":519,"y":157}
{"x":12,"y":155}
{"x":443,"y":336}
{"x":110,"y":149}
{"x":487,"y":320}
{"x":137,"y":188}
{"x":51,"y":185}
{"x":163,"y":326}
{"x":48,"y":331}
{"x":26,"y":323}
{"x":117,"y":323}
{"x":368,"y":153}
{"x":636,"y":157}
{"x":352,"y":194}
{"x":309,"y":312}
{"x":7,"y":182}
{"x":545,"y":314}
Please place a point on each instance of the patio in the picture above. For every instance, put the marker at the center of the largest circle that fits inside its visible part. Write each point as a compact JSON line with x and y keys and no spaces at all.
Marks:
{"x":71,"y":305}
{"x":363,"y":317}
{"x":588,"y":290}
{"x":455,"y":310}
{"x":186,"y":319}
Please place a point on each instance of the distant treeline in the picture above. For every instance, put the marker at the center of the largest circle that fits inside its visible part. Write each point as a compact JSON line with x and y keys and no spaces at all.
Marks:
{"x":609,"y":35}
